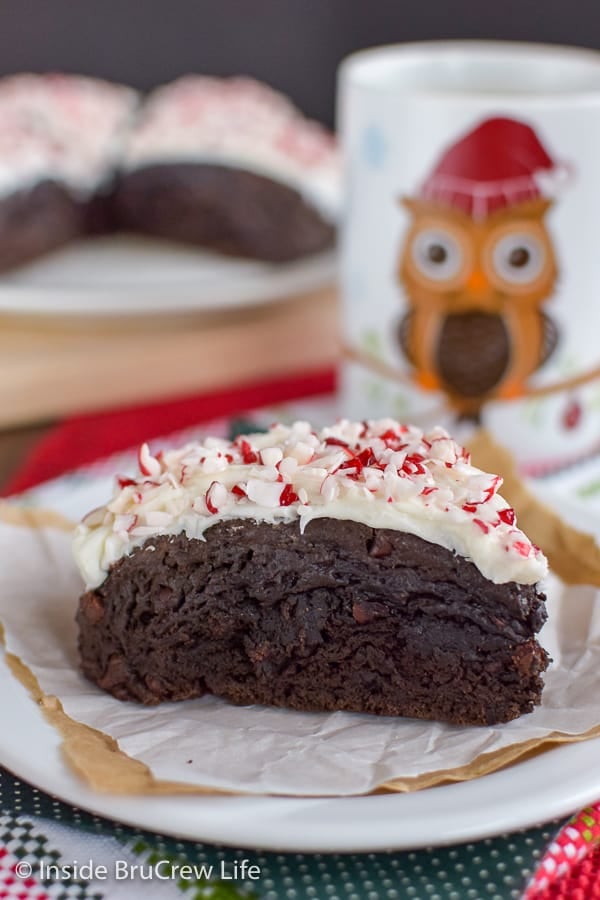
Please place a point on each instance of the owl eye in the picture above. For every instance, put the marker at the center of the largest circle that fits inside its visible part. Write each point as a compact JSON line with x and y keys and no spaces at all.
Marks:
{"x":518,"y":258}
{"x":437,"y":254}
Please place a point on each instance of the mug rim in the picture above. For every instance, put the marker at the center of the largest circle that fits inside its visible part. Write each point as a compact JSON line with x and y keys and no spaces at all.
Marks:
{"x":351,"y":69}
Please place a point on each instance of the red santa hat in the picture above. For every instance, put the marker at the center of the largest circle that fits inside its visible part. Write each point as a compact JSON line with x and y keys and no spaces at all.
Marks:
{"x":499,"y":163}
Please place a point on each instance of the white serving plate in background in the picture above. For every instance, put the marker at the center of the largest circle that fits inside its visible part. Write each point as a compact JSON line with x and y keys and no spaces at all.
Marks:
{"x":122,"y":275}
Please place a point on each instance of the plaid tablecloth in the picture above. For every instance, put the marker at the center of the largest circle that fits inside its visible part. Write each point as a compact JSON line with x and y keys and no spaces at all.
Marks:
{"x":45,"y":846}
{"x":49,"y":849}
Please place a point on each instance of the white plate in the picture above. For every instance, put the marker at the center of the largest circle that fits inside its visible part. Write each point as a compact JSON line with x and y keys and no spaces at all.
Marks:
{"x":553,"y":784}
{"x":132,"y":276}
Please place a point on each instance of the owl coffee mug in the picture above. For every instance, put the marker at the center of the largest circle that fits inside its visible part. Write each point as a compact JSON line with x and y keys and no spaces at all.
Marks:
{"x":471,"y":241}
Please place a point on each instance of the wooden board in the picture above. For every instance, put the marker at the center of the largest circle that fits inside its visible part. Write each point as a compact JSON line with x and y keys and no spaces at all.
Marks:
{"x":51,"y":367}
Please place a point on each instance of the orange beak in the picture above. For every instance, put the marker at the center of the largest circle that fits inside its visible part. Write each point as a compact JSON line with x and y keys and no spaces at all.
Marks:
{"x":477,"y":283}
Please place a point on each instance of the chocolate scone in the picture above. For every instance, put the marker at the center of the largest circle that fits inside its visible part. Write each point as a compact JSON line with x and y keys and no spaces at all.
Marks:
{"x":221,"y":208}
{"x":231,"y":165}
{"x":60,"y":139}
{"x":366,"y":567}
{"x":36,"y":220}
{"x":341,"y":616}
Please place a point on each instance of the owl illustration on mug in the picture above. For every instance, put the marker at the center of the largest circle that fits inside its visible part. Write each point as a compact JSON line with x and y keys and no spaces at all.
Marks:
{"x":477,"y":266}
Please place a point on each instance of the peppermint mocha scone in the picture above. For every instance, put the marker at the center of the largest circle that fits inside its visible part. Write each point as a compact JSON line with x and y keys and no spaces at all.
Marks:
{"x":232,"y":165}
{"x":60,"y":139}
{"x":365,"y":567}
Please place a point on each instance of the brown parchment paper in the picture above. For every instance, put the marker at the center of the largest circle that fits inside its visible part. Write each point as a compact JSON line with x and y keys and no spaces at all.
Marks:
{"x":445,"y":753}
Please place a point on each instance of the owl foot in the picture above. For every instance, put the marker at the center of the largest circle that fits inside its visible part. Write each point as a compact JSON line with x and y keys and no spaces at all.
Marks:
{"x":511,"y":390}
{"x":427,"y":381}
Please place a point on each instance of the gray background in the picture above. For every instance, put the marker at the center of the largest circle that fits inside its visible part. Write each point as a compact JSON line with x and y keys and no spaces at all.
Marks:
{"x":293,"y":44}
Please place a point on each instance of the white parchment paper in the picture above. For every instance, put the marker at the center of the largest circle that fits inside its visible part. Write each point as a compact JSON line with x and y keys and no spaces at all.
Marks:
{"x":256,"y":749}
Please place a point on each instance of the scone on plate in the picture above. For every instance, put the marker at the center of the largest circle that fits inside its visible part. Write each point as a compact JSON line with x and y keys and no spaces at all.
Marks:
{"x":365,"y":567}
{"x":60,"y":139}
{"x":232,"y":165}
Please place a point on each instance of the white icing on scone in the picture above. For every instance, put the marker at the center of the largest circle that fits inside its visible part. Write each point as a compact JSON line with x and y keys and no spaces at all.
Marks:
{"x":381,"y":473}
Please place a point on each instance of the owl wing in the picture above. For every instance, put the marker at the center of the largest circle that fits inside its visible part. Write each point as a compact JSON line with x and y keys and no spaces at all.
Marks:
{"x":550,"y":336}
{"x":404,"y":337}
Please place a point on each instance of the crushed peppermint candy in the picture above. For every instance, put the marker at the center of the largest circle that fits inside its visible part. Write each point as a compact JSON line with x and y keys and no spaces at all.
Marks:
{"x":381,"y":473}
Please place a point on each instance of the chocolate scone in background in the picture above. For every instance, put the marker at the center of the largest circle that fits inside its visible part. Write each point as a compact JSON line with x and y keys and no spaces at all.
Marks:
{"x":340,"y":617}
{"x":36,"y":220}
{"x":226,"y":209}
